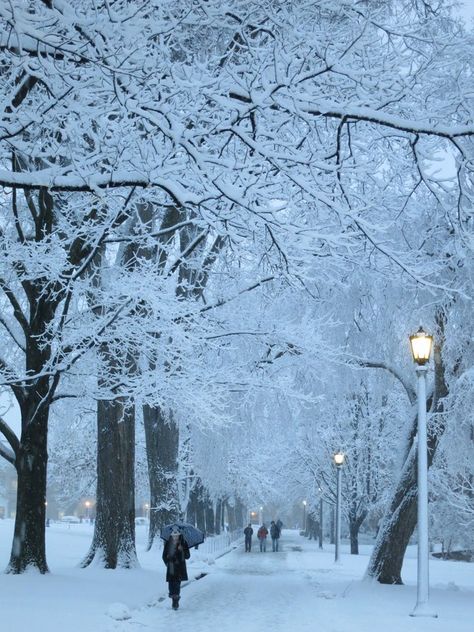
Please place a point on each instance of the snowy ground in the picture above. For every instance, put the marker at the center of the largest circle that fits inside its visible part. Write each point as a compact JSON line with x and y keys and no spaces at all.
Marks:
{"x":299,"y":588}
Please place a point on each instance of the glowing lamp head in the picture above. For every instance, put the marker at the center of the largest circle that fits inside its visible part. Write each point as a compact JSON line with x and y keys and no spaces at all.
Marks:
{"x":421,"y":344}
{"x":339,"y":459}
{"x":304,"y":503}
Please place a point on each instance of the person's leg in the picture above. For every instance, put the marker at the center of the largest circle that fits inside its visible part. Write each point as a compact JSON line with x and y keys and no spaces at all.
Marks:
{"x":174,"y":588}
{"x":276,"y":544}
{"x":174,"y":592}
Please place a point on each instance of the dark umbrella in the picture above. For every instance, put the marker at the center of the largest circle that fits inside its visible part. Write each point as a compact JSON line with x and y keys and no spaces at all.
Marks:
{"x":191,"y":534}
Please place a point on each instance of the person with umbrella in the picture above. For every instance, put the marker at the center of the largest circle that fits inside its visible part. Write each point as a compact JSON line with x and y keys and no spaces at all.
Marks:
{"x":175,"y":554}
{"x":179,"y":538}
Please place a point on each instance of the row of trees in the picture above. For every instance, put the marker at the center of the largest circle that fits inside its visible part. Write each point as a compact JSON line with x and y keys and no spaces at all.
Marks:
{"x":196,"y":227}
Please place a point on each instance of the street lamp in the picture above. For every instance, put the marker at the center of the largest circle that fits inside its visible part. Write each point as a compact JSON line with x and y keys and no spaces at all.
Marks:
{"x":87,"y":504}
{"x":304,"y":516}
{"x":146,"y":506}
{"x":421,"y":344}
{"x":261,"y":514}
{"x":320,"y":518}
{"x":339,"y":459}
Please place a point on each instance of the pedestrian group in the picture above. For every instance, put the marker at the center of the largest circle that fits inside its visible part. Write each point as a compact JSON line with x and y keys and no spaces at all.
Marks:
{"x":262,"y":533}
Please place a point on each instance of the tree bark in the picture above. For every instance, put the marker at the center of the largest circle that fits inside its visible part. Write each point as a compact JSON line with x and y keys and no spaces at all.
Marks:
{"x":218,"y":517}
{"x":161,"y":438}
{"x":399,"y":522}
{"x":210,"y":518}
{"x":29,"y":549}
{"x":113,"y":544}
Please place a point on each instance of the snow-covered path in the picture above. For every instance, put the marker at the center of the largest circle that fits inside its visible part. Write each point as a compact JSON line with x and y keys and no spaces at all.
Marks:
{"x":299,"y":588}
{"x":251,"y":591}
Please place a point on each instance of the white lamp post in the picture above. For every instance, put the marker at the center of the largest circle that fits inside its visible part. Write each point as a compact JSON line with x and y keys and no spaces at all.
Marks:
{"x":87,"y":504}
{"x":320,"y":520}
{"x":339,"y":458}
{"x":421,"y":344}
{"x":261,"y":514}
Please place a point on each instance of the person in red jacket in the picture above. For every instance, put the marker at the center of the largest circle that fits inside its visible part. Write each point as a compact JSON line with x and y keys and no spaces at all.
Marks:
{"x":262,"y":537}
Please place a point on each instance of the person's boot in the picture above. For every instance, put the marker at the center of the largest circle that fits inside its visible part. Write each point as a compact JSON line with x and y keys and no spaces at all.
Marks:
{"x":175,"y":602}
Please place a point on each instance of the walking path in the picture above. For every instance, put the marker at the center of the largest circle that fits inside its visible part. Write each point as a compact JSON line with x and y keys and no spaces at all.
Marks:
{"x":297,"y":589}
{"x":301,"y":589}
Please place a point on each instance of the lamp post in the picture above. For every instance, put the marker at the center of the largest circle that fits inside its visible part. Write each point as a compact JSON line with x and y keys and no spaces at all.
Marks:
{"x":304,"y":516}
{"x":320,"y":521}
{"x":87,"y":504}
{"x":339,"y":458}
{"x":261,"y":514}
{"x":421,"y":344}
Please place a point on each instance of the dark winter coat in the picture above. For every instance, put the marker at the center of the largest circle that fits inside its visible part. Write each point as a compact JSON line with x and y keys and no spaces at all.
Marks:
{"x":175,"y":556}
{"x":274,"y":532}
{"x":248,"y":532}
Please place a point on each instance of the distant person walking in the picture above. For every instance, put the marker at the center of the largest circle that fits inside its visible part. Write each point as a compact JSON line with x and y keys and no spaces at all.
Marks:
{"x":175,"y":554}
{"x":248,"y":532}
{"x":262,"y":537}
{"x":275,"y":535}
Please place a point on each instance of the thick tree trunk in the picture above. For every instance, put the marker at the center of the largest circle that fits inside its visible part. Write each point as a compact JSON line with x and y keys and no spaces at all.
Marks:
{"x":200,"y":507}
{"x":162,"y":438}
{"x":239,"y":514}
{"x":397,"y":528}
{"x":29,"y":547}
{"x":191,"y":509}
{"x":231,"y":516}
{"x":218,"y":517}
{"x":210,"y":518}
{"x":113,"y":544}
{"x":399,"y":523}
{"x":354,"y":536}
{"x":29,"y":550}
{"x":355,"y":522}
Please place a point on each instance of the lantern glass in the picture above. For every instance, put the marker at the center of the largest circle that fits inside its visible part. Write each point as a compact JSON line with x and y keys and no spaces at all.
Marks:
{"x":421,"y":344}
{"x":339,"y":458}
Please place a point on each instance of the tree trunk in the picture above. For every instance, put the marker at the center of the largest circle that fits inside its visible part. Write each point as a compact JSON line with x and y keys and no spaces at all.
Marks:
{"x":400,"y":520}
{"x":200,"y":507}
{"x":397,"y":528}
{"x":162,"y":438}
{"x":355,"y":522}
{"x":231,"y":516}
{"x":29,"y":549}
{"x":239,"y":514}
{"x":210,"y":518}
{"x":113,"y":544}
{"x":218,"y":517}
